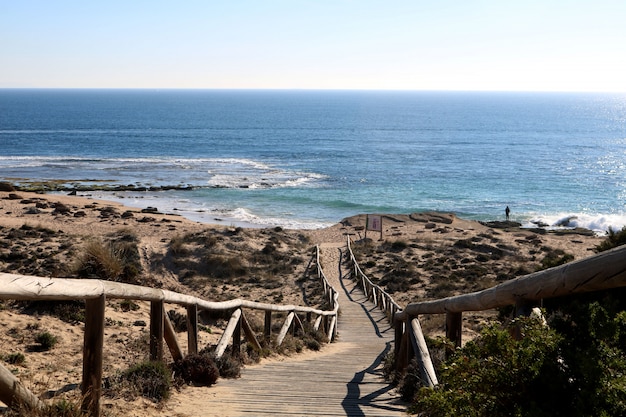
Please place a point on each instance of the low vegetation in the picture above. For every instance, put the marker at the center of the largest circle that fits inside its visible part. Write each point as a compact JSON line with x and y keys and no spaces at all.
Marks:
{"x":573,"y":366}
{"x":115,"y":259}
{"x":152,"y":380}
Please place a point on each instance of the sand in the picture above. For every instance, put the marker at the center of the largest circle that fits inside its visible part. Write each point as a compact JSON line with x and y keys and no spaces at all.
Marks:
{"x":423,"y":249}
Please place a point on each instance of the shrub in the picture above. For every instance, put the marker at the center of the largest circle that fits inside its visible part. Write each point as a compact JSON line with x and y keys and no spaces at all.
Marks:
{"x":555,"y":258}
{"x":179,"y":320}
{"x":199,"y":368}
{"x":177,"y":245}
{"x":399,"y":245}
{"x":46,"y":340}
{"x":228,"y":366}
{"x":613,"y":240}
{"x":70,"y":311}
{"x":129,"y":305}
{"x":151,"y":379}
{"x":99,"y":260}
{"x":113,"y":261}
{"x":496,"y":375}
{"x":225,"y":267}
{"x":61,"y":408}
{"x":15,"y":358}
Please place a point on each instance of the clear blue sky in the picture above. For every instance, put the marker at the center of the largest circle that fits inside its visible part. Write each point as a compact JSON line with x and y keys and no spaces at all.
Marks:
{"x":544,"y":45}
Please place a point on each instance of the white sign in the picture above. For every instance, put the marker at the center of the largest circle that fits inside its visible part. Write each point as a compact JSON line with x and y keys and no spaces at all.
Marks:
{"x":374,"y":223}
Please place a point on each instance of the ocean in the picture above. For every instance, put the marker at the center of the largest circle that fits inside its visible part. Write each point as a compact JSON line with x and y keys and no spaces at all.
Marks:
{"x":308,"y":159}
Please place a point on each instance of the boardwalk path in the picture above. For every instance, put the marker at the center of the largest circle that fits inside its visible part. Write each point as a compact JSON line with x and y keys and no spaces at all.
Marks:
{"x":344,"y":380}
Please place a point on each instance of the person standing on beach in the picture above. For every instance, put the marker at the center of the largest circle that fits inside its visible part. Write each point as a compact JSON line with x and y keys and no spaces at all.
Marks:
{"x":507,"y":211}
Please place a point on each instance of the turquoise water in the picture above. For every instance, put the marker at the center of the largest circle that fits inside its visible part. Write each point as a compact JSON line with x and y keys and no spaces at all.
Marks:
{"x":309,"y":159}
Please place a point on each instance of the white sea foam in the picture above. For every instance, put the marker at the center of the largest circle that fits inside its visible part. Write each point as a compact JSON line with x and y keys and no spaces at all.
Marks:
{"x":204,"y":212}
{"x":599,"y":223}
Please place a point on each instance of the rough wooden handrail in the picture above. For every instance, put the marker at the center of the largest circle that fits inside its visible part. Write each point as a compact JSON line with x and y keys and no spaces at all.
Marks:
{"x":24,"y":287}
{"x":95,"y":292}
{"x":333,"y":298}
{"x":599,"y":272}
{"x":374,"y":292}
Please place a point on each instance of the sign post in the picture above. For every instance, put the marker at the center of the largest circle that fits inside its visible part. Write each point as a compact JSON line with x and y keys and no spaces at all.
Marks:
{"x":374,"y":222}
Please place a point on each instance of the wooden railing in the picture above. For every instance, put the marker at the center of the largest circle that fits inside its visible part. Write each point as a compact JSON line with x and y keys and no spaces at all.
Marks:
{"x":600,"y":272}
{"x":96,"y":292}
{"x":333,"y":299}
{"x":375,"y":293}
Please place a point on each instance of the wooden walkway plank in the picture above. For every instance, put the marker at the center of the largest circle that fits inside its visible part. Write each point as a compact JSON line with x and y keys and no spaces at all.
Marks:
{"x":345,"y":379}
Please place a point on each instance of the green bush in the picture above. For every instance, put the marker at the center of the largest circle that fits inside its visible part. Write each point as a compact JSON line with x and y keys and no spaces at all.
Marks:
{"x":113,"y":261}
{"x":228,"y":366}
{"x":199,"y":368}
{"x":152,"y":380}
{"x":496,"y":375}
{"x":613,"y":240}
{"x":61,"y":408}
{"x":555,"y":258}
{"x":575,"y":367}
{"x":15,"y":358}
{"x":46,"y":340}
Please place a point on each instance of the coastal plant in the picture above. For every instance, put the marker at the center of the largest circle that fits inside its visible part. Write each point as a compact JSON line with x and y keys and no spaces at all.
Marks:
{"x":555,"y":257}
{"x":128,"y":305}
{"x":15,"y":358}
{"x":60,"y":408}
{"x":196,"y":368}
{"x":46,"y":340}
{"x":575,"y":366}
{"x":220,"y":266}
{"x":150,"y":379}
{"x":113,"y":261}
{"x":99,"y":260}
{"x":613,"y":239}
{"x":496,"y":375}
{"x":228,"y":366}
{"x":179,"y":320}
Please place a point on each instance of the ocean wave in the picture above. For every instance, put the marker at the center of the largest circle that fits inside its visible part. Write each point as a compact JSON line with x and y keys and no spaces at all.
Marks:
{"x":161,"y":171}
{"x":599,"y":223}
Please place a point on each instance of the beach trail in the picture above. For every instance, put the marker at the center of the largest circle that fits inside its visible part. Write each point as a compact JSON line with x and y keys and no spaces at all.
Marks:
{"x":345,"y":379}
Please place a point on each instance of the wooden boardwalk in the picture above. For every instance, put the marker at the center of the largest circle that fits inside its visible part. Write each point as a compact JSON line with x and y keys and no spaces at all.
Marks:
{"x":344,"y":380}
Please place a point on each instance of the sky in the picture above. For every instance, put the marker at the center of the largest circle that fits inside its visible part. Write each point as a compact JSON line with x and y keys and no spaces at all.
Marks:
{"x":477,"y":45}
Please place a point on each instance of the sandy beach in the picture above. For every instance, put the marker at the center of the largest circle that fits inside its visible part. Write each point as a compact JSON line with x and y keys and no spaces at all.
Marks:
{"x":421,"y":256}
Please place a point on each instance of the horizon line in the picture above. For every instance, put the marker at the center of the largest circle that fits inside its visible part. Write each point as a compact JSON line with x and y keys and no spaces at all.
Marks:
{"x":315,"y":89}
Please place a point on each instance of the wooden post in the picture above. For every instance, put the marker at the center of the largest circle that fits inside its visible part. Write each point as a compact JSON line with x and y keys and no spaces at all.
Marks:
{"x":237,"y":338}
{"x":316,"y":324}
{"x":13,"y":392}
{"x":298,"y":325}
{"x":192,"y":329}
{"x":421,"y":352}
{"x":267,"y":332}
{"x":454,"y":327}
{"x":331,"y":328}
{"x":233,"y":323}
{"x":250,"y":336}
{"x":92,"y":355}
{"x":404,"y":353}
{"x":523,"y":308}
{"x":156,"y":330}
{"x":397,"y":341}
{"x":284,"y":329}
{"x":170,"y":338}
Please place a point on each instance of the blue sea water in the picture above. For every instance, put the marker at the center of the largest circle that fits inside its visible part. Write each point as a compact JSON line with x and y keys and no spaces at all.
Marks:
{"x":307,"y":159}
